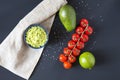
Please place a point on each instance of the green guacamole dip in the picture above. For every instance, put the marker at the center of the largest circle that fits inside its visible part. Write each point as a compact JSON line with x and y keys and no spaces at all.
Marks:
{"x":36,"y":36}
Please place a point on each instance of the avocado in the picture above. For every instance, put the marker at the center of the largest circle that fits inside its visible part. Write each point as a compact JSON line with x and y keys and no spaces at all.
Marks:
{"x":67,"y":16}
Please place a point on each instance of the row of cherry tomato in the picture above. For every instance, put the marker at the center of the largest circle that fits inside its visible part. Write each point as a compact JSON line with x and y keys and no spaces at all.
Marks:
{"x":75,"y":45}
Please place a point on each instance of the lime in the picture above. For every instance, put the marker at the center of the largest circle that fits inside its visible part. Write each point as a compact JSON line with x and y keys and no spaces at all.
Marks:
{"x":87,"y":60}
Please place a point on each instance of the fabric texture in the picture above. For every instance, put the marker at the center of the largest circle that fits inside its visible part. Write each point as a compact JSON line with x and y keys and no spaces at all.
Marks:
{"x":14,"y":54}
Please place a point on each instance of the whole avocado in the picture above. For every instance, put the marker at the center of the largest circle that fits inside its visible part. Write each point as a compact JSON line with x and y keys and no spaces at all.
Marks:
{"x":67,"y":16}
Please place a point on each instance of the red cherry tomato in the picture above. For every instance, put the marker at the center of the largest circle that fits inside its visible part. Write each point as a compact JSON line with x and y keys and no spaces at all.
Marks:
{"x":83,"y":22}
{"x":80,"y":45}
{"x":75,"y":37}
{"x":67,"y":65}
{"x":71,"y":44}
{"x":79,"y":30}
{"x":89,"y":30}
{"x":84,"y":38}
{"x":62,"y":58}
{"x":67,"y":51}
{"x":76,"y":52}
{"x":71,"y":58}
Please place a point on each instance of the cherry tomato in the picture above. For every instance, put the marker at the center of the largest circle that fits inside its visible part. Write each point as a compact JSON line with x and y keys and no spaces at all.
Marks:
{"x":67,"y":65}
{"x":80,"y":45}
{"x":71,"y":44}
{"x":84,"y":38}
{"x":62,"y":58}
{"x":83,"y":22}
{"x":71,"y":58}
{"x":75,"y":37}
{"x":79,"y":30}
{"x":67,"y":51}
{"x":89,"y":30}
{"x":76,"y":52}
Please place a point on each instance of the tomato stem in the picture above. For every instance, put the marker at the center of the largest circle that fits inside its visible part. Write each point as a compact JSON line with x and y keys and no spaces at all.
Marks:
{"x":79,"y":39}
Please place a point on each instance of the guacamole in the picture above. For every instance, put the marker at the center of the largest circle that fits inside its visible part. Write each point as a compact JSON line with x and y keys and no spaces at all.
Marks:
{"x":36,"y":36}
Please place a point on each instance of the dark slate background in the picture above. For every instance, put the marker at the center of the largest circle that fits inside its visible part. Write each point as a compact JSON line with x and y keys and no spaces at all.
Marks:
{"x":103,"y":16}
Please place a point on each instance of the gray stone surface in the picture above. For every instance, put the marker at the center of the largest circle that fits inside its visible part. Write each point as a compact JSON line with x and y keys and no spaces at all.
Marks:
{"x":103,"y":16}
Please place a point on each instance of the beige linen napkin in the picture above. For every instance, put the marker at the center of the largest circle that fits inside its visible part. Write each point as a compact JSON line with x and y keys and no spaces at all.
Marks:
{"x":14,"y":54}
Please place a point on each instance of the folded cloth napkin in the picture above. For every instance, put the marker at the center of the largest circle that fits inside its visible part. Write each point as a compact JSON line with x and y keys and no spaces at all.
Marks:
{"x":14,"y":54}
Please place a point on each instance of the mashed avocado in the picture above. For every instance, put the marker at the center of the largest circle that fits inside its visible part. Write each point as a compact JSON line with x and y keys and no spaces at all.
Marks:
{"x":36,"y":36}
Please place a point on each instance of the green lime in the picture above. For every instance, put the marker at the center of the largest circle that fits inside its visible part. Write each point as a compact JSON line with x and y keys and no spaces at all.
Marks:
{"x":87,"y":60}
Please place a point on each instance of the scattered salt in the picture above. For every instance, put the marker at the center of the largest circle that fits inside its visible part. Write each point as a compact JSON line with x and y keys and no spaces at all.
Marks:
{"x":43,"y":54}
{"x":82,"y":1}
{"x":102,"y":20}
{"x":76,"y":7}
{"x":86,"y":4}
{"x":62,"y":43}
{"x":89,"y":8}
{"x":46,"y":55}
{"x":94,"y":32}
{"x":91,"y":48}
{"x":91,"y":17}
{"x":98,"y":4}
{"x":94,"y":43}
{"x":54,"y":33}
{"x":100,"y":16}
{"x":53,"y":56}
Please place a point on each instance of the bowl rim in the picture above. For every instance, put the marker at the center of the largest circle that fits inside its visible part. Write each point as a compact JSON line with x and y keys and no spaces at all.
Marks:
{"x":33,"y":25}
